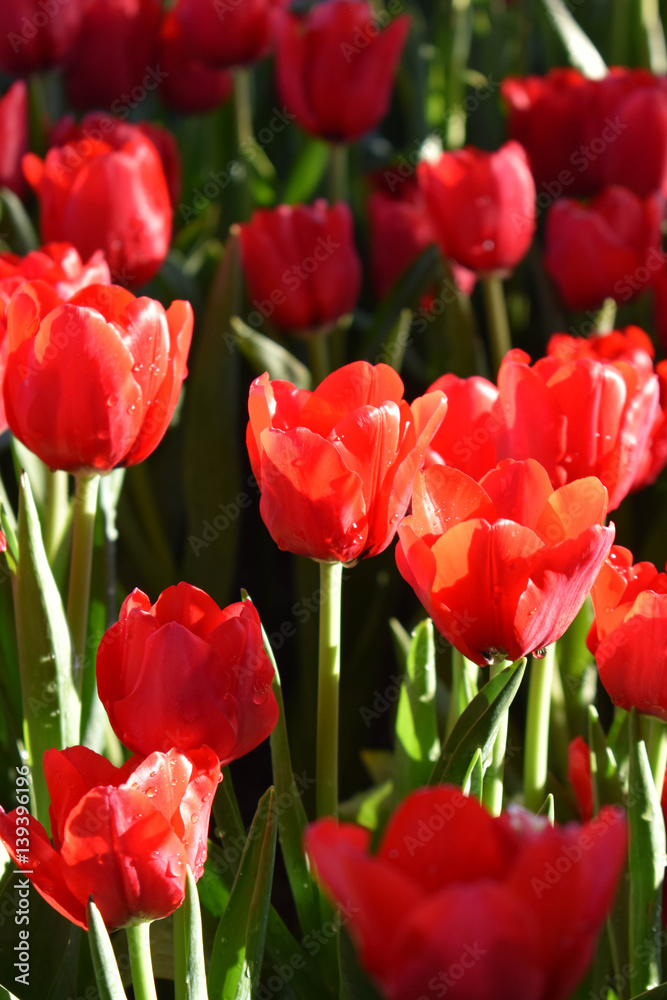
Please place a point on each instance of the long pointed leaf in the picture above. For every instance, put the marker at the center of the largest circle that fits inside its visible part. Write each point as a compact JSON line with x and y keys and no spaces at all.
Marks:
{"x":109,"y":983}
{"x":417,"y":743}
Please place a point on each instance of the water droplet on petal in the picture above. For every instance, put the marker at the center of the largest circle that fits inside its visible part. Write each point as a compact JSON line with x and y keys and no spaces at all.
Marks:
{"x":112,"y":400}
{"x":540,"y":653}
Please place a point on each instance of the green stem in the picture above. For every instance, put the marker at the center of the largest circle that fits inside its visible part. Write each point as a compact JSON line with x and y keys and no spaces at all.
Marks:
{"x":244,"y":135}
{"x":537,"y":729}
{"x":57,"y":512}
{"x":179,"y":931}
{"x":139,"y":948}
{"x":496,"y":314}
{"x":331,"y":577}
{"x":492,"y":794}
{"x":657,"y":752}
{"x":78,"y":598}
{"x":338,"y":173}
{"x":318,"y":350}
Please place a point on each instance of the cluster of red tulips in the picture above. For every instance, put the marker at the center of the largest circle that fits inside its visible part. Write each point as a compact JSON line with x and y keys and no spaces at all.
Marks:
{"x":456,"y":873}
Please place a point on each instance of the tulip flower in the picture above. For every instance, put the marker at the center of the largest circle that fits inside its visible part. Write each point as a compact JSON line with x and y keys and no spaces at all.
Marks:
{"x":189,"y":85}
{"x":228,"y":33}
{"x":335,"y":69}
{"x":482,"y":206}
{"x":633,"y":346}
{"x":113,"y":61}
{"x":579,"y":776}
{"x":580,"y":417}
{"x":300,"y":264}
{"x":92,"y":383}
{"x":121,"y":836}
{"x":582,"y":135}
{"x":467,"y":438}
{"x":335,"y":466}
{"x":457,"y":901}
{"x":60,"y":266}
{"x":13,"y":136}
{"x":628,"y":636}
{"x":504,"y":565}
{"x":34,"y":36}
{"x":105,"y":189}
{"x":400,"y":229}
{"x":184,"y":673}
{"x":610,"y":248}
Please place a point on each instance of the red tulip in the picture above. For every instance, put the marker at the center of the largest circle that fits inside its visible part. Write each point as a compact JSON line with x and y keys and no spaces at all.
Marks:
{"x":189,"y":85}
{"x":301,"y":266}
{"x":582,"y":135}
{"x":467,"y":437}
{"x":105,"y":189}
{"x":631,"y":345}
{"x":93,"y":383}
{"x":400,"y":229}
{"x":13,"y":136}
{"x":227,"y":33}
{"x":121,"y":836}
{"x":457,"y":902}
{"x":581,"y":417}
{"x":335,"y":68}
{"x":184,"y":673}
{"x":628,"y":636}
{"x":611,"y":248}
{"x":504,"y":565}
{"x":36,"y":34}
{"x":335,"y":466}
{"x":579,"y":776}
{"x":482,"y":206}
{"x":113,"y":61}
{"x":59,"y":265}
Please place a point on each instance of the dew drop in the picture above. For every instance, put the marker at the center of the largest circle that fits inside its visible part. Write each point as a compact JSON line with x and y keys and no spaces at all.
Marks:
{"x":540,"y":653}
{"x":112,"y":400}
{"x":151,"y":792}
{"x":488,"y":245}
{"x":137,"y":368}
{"x":194,"y":818}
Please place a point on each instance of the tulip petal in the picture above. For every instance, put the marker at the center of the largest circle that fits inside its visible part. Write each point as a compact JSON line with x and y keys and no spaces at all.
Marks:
{"x":442,"y":497}
{"x":519,"y":491}
{"x":69,"y":775}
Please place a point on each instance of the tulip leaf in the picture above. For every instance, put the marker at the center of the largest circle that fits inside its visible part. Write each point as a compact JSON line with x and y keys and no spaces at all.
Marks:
{"x":307,"y":172}
{"x":422,"y":273}
{"x":265,"y":355}
{"x":393,"y":349}
{"x":236,"y":960}
{"x":188,"y":924}
{"x":417,"y":743}
{"x":607,"y":787}
{"x":355,"y":984}
{"x":580,"y":49}
{"x":473,"y":783}
{"x":402,"y":641}
{"x":108,"y":979}
{"x":478,"y":726}
{"x":211,"y":454}
{"x":51,"y":708}
{"x":292,"y":817}
{"x":548,"y":809}
{"x":24,"y":237}
{"x":659,"y":993}
{"x":647,"y":866}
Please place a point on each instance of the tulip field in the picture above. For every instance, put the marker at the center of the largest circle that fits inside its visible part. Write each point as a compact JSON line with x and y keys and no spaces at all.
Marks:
{"x":333,"y":499}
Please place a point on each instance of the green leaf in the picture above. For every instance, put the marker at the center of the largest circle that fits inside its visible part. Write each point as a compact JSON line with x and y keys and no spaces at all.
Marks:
{"x":647,"y":866}
{"x":213,"y":488}
{"x":23,"y":232}
{"x":417,"y":745}
{"x":355,"y":984}
{"x":420,"y":275}
{"x":109,"y":983}
{"x":580,"y":49}
{"x":548,"y":809}
{"x":236,"y":960}
{"x":265,"y":355}
{"x":292,"y":819}
{"x":393,"y":349}
{"x":401,"y":639}
{"x":473,"y":783}
{"x":307,"y":172}
{"x":478,"y":725}
{"x":51,"y":708}
{"x":607,"y":787}
{"x":195,"y":962}
{"x":659,"y":993}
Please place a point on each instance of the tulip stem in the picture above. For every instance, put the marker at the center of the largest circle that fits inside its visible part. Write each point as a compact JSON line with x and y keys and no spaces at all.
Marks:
{"x":536,"y":756}
{"x":318,"y":350}
{"x":56,"y":513}
{"x":180,"y":952}
{"x":139,"y":948}
{"x":496,"y":315}
{"x":78,"y":598}
{"x":464,"y":686}
{"x":657,"y":752}
{"x":244,"y":135}
{"x":492,"y":792}
{"x":331,"y":576}
{"x":338,"y":179}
